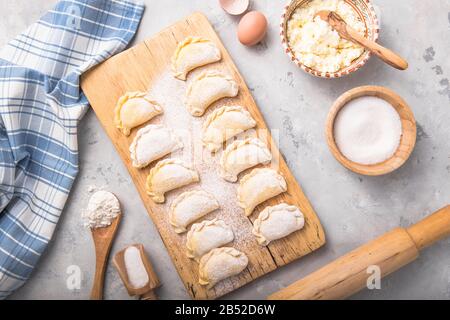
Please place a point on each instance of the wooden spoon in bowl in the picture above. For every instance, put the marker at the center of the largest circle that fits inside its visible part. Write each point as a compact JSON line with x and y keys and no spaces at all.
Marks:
{"x":103,"y":238}
{"x":348,"y":33}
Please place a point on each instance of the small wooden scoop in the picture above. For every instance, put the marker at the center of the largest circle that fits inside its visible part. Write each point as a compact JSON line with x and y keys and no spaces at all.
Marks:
{"x":103,"y":238}
{"x":348,"y":33}
{"x":146,"y":292}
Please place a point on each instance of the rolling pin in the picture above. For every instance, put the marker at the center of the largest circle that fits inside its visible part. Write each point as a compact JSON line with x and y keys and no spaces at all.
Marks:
{"x":348,"y":274}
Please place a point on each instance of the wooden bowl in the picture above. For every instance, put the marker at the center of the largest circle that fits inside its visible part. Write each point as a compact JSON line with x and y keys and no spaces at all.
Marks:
{"x":366,"y":13}
{"x":407,"y":140}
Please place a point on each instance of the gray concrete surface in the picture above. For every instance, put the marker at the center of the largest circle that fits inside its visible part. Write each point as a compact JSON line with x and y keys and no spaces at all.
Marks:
{"x":352,"y":208}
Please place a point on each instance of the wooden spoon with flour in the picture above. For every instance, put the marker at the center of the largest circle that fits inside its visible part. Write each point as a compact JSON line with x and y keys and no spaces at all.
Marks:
{"x":102,"y":216}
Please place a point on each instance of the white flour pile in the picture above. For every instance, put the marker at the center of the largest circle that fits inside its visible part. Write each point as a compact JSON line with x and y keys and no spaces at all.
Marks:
{"x":136,"y":272}
{"x":367,"y":130}
{"x":102,"y":208}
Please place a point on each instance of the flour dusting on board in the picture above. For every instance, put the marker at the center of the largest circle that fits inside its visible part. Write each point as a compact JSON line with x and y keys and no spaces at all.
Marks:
{"x":170,"y":93}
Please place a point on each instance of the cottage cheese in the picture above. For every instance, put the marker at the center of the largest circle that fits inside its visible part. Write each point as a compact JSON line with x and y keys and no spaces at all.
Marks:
{"x":316,"y":44}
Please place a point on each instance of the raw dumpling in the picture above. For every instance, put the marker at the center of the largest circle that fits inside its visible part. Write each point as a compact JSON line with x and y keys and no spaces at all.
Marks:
{"x":153,"y":142}
{"x":207,"y":235}
{"x":219,"y":264}
{"x":207,"y":88}
{"x":169,"y":174}
{"x":241,"y":155}
{"x":191,"y":53}
{"x":225,"y":123}
{"x":277,"y":222}
{"x":258,"y":186}
{"x":190,"y":206}
{"x":133,"y":109}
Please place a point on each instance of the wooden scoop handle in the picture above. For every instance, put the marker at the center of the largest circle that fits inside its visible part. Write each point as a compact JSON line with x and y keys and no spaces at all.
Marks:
{"x":151,"y":295}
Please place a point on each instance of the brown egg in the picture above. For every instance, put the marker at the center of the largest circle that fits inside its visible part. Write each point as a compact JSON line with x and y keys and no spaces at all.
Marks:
{"x":252,"y":28}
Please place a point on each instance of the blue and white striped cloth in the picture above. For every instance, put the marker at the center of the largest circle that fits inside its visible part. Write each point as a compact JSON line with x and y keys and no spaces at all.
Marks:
{"x":40,"y":106}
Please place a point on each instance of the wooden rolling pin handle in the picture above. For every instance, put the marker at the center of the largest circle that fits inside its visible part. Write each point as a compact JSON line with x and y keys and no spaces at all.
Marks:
{"x":348,"y":274}
{"x":431,"y":229}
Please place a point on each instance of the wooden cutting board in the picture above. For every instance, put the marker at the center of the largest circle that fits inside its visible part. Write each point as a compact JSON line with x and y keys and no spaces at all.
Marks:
{"x":137,"y":69}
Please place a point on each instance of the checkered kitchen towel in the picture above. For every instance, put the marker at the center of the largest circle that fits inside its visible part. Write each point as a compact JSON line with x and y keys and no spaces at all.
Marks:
{"x":40,"y":106}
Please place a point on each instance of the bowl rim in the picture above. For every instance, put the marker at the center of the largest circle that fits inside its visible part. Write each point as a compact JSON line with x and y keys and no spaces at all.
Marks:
{"x":407,"y":140}
{"x":356,"y":64}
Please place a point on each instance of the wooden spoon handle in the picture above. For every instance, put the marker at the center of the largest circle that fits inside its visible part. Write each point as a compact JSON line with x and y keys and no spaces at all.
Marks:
{"x":99,"y":278}
{"x":383,"y":53}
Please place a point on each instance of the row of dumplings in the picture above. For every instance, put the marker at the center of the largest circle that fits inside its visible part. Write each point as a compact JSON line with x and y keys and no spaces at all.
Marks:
{"x":205,"y":239}
{"x":151,"y":143}
{"x":258,"y":186}
{"x":261,"y":184}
